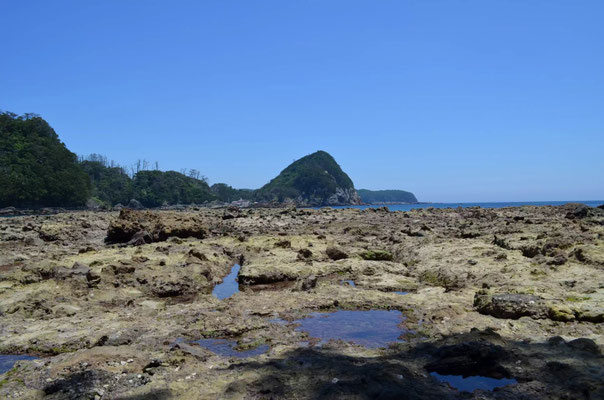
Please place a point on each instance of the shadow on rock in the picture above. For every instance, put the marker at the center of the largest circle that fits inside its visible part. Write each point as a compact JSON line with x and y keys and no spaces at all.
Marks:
{"x":552,"y":370}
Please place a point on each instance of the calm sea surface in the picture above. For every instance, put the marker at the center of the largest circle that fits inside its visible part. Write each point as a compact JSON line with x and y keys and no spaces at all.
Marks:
{"x":407,"y":207}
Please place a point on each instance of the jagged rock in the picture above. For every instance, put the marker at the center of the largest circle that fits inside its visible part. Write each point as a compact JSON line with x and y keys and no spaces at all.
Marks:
{"x":153,"y":226}
{"x":140,"y":238}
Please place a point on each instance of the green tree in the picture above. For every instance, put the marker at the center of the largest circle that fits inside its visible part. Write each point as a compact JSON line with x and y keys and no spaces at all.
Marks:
{"x":36,"y":169}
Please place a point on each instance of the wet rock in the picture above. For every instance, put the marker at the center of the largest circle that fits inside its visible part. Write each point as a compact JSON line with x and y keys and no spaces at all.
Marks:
{"x":335,"y":253}
{"x":198,"y":352}
{"x":509,"y":305}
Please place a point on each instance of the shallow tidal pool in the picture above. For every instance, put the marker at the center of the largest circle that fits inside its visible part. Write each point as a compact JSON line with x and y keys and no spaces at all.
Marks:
{"x":229,"y":285}
{"x":227,"y":348}
{"x":471,"y":383}
{"x":8,"y":361}
{"x":373,"y":328}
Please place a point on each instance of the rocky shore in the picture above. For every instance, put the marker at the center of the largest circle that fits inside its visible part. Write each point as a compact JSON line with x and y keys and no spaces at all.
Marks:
{"x":120,"y":305}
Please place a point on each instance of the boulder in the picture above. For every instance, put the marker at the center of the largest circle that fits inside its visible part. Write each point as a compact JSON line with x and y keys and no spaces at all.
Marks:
{"x":142,"y":227}
{"x":95,"y":204}
{"x":509,"y":305}
{"x":307,"y":283}
{"x":135,"y":204}
{"x":584,"y":344}
{"x":335,"y":253}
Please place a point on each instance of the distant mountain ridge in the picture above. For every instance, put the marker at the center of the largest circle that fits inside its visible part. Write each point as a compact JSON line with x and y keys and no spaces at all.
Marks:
{"x":386,"y":196}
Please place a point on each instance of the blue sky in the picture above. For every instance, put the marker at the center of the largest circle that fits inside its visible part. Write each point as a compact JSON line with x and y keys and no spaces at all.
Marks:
{"x":459,"y":100}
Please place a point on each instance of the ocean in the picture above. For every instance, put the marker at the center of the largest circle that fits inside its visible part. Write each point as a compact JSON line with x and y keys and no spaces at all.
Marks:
{"x":408,"y":207}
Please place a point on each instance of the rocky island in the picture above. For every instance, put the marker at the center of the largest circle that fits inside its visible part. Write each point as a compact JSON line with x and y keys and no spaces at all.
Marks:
{"x":321,"y":303}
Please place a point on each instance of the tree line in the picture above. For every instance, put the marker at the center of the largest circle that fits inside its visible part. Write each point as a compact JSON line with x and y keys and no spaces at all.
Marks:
{"x":37,"y":170}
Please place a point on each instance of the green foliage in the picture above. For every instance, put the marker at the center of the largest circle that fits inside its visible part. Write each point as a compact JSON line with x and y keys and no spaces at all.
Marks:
{"x":156,"y":188}
{"x":111,"y":185}
{"x":227,"y":193}
{"x":317,"y":176}
{"x":386,"y":196}
{"x":36,"y":169}
{"x":376,"y":255}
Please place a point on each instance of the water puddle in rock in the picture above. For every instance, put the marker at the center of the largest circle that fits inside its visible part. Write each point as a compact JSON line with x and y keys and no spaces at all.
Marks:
{"x":7,"y":361}
{"x":471,"y":383}
{"x":227,"y":348}
{"x":229,"y":285}
{"x":401,"y":293}
{"x":373,"y":328}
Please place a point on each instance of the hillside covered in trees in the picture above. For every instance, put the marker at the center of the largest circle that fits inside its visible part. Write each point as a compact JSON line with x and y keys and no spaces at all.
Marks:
{"x":37,"y":170}
{"x":315,"y":179}
{"x":386,"y":196}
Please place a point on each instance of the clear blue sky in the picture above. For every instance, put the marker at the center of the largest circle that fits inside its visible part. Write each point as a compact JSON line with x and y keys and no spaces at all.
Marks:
{"x":459,"y":100}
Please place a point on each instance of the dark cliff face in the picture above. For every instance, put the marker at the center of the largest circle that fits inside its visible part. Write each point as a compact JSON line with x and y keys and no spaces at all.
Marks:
{"x":313,"y":180}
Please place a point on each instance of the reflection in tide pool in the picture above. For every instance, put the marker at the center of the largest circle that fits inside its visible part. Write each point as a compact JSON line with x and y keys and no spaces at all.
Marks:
{"x":226,"y":348}
{"x":7,"y":361}
{"x":471,"y":383}
{"x":373,"y":328}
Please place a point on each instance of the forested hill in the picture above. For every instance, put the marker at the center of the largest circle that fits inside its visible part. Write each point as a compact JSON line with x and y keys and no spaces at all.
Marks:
{"x":36,"y":169}
{"x":315,"y":179}
{"x":386,"y":196}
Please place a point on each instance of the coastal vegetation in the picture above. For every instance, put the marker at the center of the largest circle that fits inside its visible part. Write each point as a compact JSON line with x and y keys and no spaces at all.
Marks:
{"x":386,"y":196}
{"x":315,"y":178}
{"x":37,"y":170}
